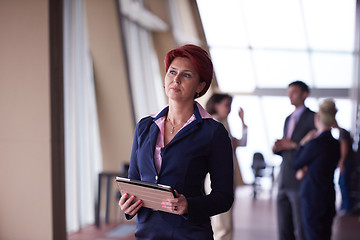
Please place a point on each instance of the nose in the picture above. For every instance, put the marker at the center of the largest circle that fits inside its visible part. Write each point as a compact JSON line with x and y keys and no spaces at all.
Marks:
{"x":177,"y":79}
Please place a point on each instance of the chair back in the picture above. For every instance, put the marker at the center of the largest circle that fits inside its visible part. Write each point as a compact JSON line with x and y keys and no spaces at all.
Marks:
{"x":258,"y":162}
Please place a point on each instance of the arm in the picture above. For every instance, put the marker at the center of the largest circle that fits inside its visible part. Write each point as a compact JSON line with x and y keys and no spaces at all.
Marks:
{"x":344,"y":153}
{"x":243,"y":140}
{"x":300,"y":173}
{"x":305,"y":155}
{"x":220,"y":164}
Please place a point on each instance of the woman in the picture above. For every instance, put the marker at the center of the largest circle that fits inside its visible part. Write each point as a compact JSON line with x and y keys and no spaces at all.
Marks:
{"x":219,"y":106}
{"x":345,"y":166}
{"x":319,"y":156}
{"x":178,"y":147}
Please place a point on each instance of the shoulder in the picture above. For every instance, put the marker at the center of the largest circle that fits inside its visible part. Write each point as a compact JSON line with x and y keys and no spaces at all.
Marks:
{"x":309,"y":112}
{"x":212,"y":124}
{"x":144,"y":123}
{"x":326,"y":137}
{"x":308,"y":116}
{"x":213,"y":128}
{"x":344,"y":134}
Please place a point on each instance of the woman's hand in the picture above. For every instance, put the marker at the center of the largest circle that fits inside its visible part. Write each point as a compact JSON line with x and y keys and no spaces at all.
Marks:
{"x":300,"y":174}
{"x":310,"y":135}
{"x":241,"y":115}
{"x":128,"y":205}
{"x":178,"y":205}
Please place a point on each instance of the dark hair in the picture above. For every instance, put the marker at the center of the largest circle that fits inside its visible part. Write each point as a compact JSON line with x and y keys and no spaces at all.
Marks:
{"x":199,"y":57}
{"x":214,"y":99}
{"x":301,"y":85}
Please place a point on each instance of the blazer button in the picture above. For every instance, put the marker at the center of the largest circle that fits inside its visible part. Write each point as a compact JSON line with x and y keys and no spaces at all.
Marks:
{"x":156,"y":178}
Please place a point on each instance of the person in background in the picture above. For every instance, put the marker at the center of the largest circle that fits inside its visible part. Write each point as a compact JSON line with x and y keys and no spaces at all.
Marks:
{"x":320,"y":154}
{"x":296,"y":126}
{"x":345,"y":167}
{"x":219,"y":106}
{"x":178,"y":147}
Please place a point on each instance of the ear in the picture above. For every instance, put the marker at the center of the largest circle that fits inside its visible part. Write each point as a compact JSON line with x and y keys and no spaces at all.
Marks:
{"x":201,"y":87}
{"x":305,"y":95}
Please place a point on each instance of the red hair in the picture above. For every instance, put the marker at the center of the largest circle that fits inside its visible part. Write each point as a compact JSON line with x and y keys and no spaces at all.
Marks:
{"x":199,"y":58}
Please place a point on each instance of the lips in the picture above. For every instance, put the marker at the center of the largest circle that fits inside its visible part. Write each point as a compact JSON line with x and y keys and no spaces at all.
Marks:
{"x":175,"y":89}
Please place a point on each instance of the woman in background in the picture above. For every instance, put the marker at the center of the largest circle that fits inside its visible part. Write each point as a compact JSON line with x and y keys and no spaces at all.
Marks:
{"x":219,"y":106}
{"x":345,"y":166}
{"x":320,"y":156}
{"x":179,"y":147}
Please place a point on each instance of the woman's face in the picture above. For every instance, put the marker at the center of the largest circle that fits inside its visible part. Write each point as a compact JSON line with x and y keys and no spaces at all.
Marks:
{"x":223,"y":108}
{"x":182,"y":81}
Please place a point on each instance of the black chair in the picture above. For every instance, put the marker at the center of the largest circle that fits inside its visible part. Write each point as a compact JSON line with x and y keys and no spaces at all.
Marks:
{"x":260,"y":170}
{"x":110,"y":179}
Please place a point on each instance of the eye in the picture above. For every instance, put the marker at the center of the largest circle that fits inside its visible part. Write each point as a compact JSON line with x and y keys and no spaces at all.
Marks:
{"x":187,"y":75}
{"x":173,"y":72}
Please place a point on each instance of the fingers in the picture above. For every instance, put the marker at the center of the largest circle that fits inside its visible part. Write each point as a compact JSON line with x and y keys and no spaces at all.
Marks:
{"x":176,"y":193}
{"x":128,"y":205}
{"x":172,"y":206}
{"x":123,"y":199}
{"x":178,"y":205}
{"x":134,"y":208}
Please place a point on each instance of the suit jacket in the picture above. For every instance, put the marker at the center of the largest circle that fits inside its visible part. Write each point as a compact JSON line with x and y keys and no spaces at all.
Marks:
{"x":305,"y":124}
{"x":321,"y":155}
{"x":201,"y":147}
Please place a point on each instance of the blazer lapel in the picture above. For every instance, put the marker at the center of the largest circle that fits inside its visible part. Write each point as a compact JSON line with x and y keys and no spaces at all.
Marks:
{"x":301,"y":119}
{"x":153,"y":134}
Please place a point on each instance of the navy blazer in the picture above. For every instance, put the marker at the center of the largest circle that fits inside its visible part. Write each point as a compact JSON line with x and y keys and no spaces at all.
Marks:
{"x":201,"y":147}
{"x":305,"y":124}
{"x":321,"y":155}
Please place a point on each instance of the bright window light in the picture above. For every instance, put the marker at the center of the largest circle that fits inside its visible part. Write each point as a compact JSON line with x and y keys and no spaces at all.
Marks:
{"x":261,"y":44}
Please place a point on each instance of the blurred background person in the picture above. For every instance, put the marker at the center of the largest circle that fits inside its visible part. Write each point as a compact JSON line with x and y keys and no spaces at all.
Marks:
{"x":219,"y":106}
{"x":320,"y":155}
{"x":345,"y":168}
{"x":296,"y":126}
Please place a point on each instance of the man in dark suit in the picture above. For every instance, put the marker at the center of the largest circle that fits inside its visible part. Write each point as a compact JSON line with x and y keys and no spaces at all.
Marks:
{"x":297,"y":125}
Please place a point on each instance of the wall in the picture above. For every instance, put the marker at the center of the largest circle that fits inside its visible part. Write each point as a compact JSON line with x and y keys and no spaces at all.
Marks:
{"x":25,"y":153}
{"x":113,"y":97}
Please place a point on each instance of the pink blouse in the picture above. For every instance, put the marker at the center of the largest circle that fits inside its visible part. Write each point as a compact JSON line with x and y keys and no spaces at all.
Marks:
{"x":160,"y":139}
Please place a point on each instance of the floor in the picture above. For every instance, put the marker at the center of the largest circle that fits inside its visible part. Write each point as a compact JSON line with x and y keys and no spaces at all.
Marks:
{"x":253,"y":220}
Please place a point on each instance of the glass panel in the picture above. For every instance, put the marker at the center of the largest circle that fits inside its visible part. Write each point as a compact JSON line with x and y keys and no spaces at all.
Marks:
{"x":254,"y":120}
{"x":274,"y":24}
{"x":234,"y":70}
{"x":278,"y":25}
{"x":330,"y":24}
{"x":223,"y":25}
{"x":265,"y":118}
{"x":277,"y":69}
{"x":345,"y":113}
{"x":332,"y":70}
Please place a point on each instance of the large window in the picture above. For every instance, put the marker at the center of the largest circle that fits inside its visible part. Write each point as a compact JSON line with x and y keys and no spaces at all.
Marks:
{"x":258,"y":47}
